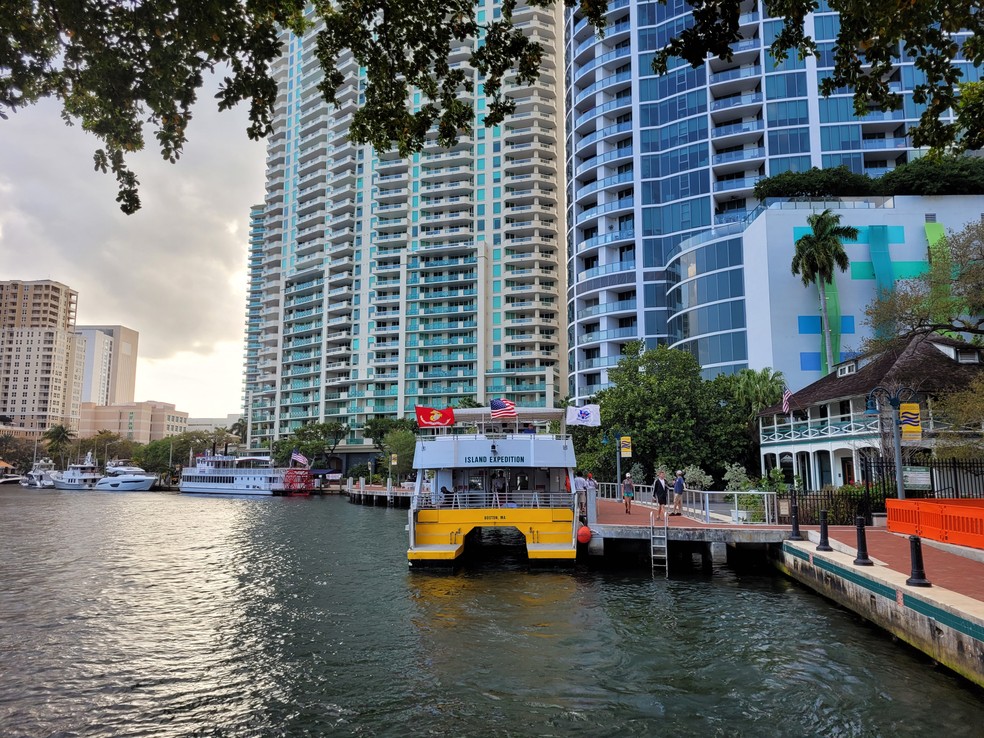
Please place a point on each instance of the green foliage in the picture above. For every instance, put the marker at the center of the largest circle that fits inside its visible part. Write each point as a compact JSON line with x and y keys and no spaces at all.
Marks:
{"x":403,"y":444}
{"x":467,"y":402}
{"x":58,"y":439}
{"x":774,"y":481}
{"x":736,"y":478}
{"x":118,"y":67}
{"x":961,"y":415}
{"x":816,"y":184}
{"x":17,"y":451}
{"x":378,"y":426}
{"x":936,"y":175}
{"x":948,"y":298}
{"x":638,"y":472}
{"x":697,"y":478}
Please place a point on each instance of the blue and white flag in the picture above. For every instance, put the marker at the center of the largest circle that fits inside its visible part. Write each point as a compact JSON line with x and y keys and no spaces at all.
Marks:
{"x":585,"y":415}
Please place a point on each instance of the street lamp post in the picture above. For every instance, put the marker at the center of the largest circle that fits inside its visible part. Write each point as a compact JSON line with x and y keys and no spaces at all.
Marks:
{"x":617,"y":439}
{"x":895,"y":399}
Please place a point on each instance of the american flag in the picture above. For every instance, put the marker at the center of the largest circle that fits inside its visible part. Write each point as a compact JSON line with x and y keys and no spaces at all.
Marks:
{"x":297,"y":456}
{"x":786,"y":395}
{"x":503,"y":408}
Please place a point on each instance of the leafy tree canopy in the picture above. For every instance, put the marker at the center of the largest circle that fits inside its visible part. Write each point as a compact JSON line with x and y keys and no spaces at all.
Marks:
{"x":927,"y":176}
{"x":403,"y":443}
{"x":117,"y":67}
{"x":948,"y":298}
{"x":376,"y":428}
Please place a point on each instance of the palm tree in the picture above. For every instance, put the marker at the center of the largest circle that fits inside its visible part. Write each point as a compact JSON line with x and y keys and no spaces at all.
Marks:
{"x":239,"y":429}
{"x":59,"y":437}
{"x":757,"y":390}
{"x":817,"y":254}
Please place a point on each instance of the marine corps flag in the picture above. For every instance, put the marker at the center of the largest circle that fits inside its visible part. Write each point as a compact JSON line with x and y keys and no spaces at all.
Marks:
{"x":429,"y":417}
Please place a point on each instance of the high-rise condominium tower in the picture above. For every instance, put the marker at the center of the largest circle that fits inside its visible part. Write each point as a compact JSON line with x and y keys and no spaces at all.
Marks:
{"x":662,"y":171}
{"x":41,"y":356}
{"x":110,"y":364}
{"x":379,"y":283}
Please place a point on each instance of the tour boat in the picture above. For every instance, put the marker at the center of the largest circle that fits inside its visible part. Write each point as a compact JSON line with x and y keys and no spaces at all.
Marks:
{"x":484,"y":472}
{"x":40,"y":475}
{"x":224,"y":474}
{"x":122,"y":477}
{"x":78,"y":476}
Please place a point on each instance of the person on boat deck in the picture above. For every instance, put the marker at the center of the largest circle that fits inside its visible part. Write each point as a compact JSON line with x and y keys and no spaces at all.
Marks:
{"x":529,"y":428}
{"x":628,"y":492}
{"x":580,"y":489}
{"x":443,"y":495}
{"x":499,"y":488}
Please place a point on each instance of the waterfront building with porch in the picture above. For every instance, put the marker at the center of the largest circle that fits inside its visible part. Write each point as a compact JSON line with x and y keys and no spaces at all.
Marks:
{"x":827,"y":435}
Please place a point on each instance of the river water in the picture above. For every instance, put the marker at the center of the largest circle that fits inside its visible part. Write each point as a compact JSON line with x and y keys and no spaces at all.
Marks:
{"x":150,"y":614}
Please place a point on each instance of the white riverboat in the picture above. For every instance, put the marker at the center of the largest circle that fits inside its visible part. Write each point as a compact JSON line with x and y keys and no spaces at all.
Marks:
{"x":81,"y":476}
{"x":223,"y":474}
{"x":489,"y":473}
{"x":124,"y":477}
{"x":40,"y":475}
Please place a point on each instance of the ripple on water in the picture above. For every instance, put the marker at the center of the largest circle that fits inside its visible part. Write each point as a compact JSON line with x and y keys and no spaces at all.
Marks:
{"x":165,"y":615}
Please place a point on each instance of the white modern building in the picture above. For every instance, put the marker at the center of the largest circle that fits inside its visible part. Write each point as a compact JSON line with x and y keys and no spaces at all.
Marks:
{"x":658,"y":164}
{"x":110,"y":375}
{"x":379,"y":283}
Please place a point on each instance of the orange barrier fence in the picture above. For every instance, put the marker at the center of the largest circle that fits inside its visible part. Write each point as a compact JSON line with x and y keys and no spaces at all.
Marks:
{"x":953,"y":521}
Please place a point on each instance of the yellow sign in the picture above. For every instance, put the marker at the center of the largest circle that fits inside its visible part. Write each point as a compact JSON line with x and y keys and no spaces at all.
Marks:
{"x":393,"y":459}
{"x":909,"y":421}
{"x":625,"y":446}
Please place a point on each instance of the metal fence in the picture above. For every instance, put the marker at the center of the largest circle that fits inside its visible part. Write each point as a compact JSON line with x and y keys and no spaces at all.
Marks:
{"x":922,"y":479}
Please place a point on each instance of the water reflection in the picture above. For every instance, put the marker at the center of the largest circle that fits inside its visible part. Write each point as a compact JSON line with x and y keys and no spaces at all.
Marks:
{"x":164,"y":615}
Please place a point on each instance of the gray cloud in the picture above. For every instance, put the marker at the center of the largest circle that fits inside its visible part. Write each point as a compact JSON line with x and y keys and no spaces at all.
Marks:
{"x":174,"y":271}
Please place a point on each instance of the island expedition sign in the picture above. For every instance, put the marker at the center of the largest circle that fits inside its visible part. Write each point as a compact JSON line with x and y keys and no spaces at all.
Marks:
{"x":495,"y":459}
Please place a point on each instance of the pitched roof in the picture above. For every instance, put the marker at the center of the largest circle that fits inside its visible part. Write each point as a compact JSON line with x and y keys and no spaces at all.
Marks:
{"x":919,"y":362}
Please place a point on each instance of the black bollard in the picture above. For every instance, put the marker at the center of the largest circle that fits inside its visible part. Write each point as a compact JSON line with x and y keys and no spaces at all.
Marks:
{"x":918,"y":578}
{"x":824,"y":544}
{"x":794,"y":517}
{"x":862,"y":559}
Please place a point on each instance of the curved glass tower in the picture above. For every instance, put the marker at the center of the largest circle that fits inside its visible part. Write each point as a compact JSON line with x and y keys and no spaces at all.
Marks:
{"x":661,"y":171}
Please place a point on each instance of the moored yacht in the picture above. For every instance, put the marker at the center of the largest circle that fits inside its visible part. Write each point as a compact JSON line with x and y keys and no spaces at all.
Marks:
{"x":40,"y":475}
{"x":224,"y":474}
{"x":124,"y":477}
{"x":78,"y":476}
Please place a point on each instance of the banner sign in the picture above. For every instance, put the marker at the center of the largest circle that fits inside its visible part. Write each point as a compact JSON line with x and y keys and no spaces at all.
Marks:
{"x":625,"y":446}
{"x":909,"y":421}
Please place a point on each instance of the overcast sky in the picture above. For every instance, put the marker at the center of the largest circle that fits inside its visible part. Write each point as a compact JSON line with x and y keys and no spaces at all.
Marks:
{"x":175,"y":271}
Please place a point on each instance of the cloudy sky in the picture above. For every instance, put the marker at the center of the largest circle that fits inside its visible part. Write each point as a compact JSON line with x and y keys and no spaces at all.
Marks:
{"x":175,"y":271}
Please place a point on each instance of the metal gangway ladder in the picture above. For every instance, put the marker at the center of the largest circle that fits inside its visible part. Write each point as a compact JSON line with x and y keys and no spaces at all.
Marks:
{"x":658,"y":537}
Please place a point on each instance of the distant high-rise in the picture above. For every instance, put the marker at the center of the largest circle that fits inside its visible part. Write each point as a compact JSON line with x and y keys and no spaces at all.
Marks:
{"x":110,"y":375}
{"x":41,"y":357}
{"x":379,"y":283}
{"x":663,"y":169}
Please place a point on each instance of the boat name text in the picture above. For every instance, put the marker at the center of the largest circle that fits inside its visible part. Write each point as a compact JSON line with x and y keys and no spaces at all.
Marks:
{"x":495,"y":459}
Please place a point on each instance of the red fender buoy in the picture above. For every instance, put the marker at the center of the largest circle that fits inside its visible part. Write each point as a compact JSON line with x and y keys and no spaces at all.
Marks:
{"x":583,"y":534}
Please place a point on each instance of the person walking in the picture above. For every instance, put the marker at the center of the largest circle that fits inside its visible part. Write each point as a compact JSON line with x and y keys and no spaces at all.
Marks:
{"x":660,"y":492}
{"x":628,"y":492}
{"x":678,"y":494}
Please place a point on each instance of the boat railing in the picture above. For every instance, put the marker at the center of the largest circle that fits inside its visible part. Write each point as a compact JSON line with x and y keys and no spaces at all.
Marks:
{"x":472,"y":499}
{"x":491,"y":435}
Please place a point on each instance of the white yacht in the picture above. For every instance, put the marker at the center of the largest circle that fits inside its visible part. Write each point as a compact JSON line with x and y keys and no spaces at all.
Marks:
{"x":9,"y":478}
{"x":40,"y":475}
{"x":78,"y":476}
{"x":224,"y":474}
{"x":122,"y":476}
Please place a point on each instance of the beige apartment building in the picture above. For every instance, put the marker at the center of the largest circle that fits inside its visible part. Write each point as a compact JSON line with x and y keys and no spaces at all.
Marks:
{"x":142,"y":422}
{"x":41,"y":356}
